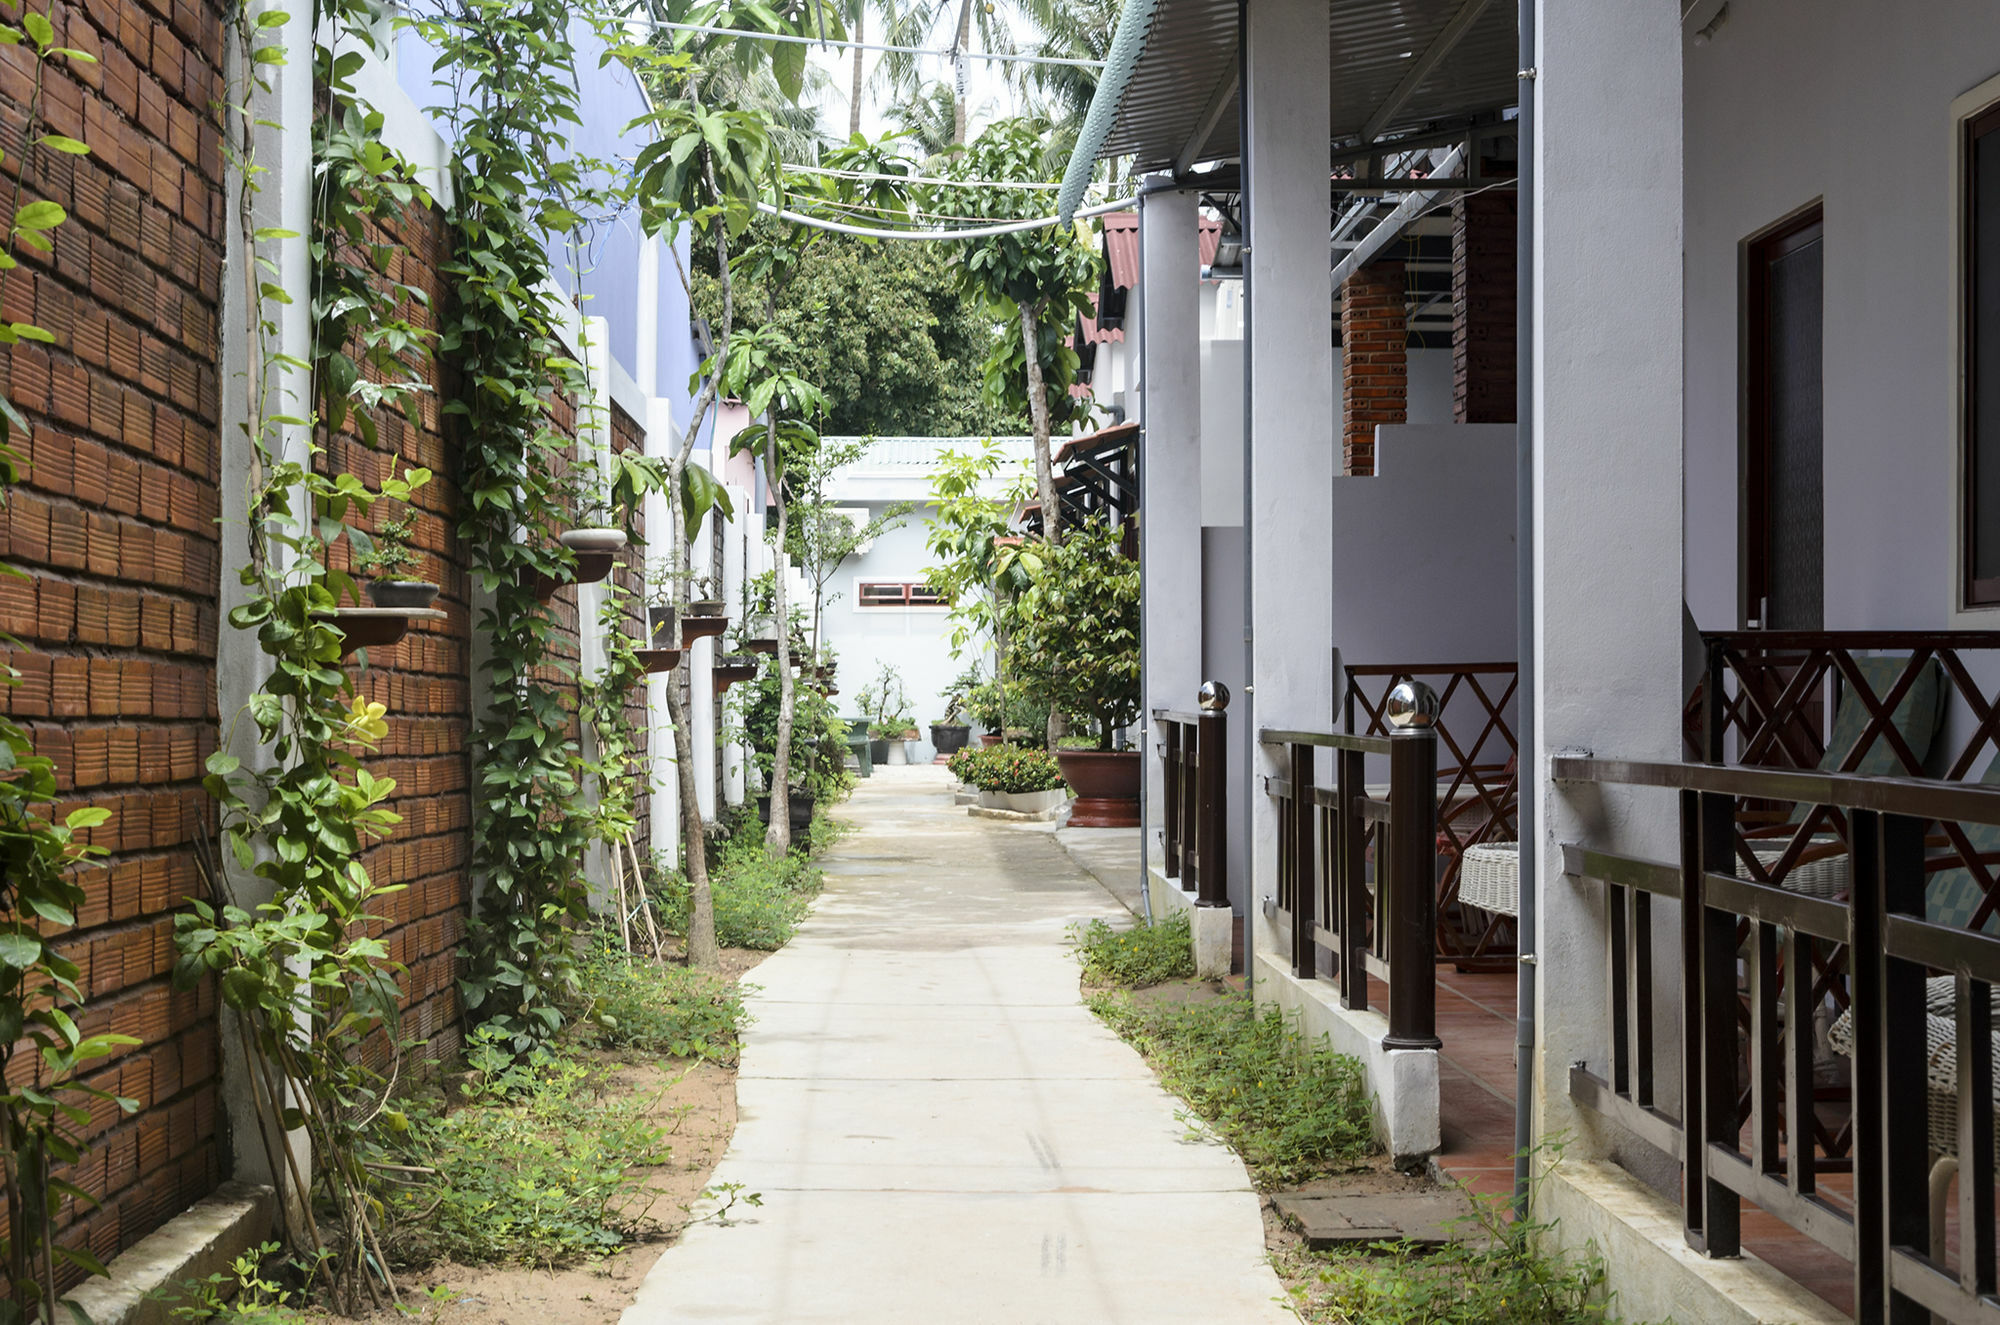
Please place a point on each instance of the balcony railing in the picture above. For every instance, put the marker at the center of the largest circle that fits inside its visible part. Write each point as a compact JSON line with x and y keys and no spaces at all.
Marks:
{"x":1479,"y":782}
{"x":1379,"y":921}
{"x":1758,"y":963}
{"x":1194,"y":827}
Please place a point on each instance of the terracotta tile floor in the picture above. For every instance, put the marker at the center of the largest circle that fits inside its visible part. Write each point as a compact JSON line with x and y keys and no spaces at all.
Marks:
{"x":1475,"y":1016}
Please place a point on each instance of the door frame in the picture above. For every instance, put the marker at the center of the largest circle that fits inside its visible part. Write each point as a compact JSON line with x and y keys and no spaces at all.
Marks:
{"x":1798,"y":228}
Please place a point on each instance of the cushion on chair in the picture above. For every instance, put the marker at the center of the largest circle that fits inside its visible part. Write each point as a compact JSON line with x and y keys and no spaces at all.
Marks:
{"x":1917,"y":718}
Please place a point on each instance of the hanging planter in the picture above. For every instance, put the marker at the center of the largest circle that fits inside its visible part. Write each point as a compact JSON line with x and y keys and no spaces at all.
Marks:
{"x":730,"y":669}
{"x":656,"y":661}
{"x":375,"y":627}
{"x":696,"y":626}
{"x":765,"y":644}
{"x":594,"y":540}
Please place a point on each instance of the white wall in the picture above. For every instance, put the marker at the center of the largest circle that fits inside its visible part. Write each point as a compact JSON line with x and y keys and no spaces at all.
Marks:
{"x":1429,"y":387}
{"x":1845,"y":100}
{"x":913,"y":640}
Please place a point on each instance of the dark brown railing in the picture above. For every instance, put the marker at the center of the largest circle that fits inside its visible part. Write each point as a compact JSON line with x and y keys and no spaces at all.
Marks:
{"x":1194,"y":830}
{"x":1479,"y":783}
{"x":1384,"y":925}
{"x":1795,"y":945}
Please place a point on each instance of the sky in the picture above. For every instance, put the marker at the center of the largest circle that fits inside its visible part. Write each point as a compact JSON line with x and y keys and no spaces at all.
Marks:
{"x":986,"y":90}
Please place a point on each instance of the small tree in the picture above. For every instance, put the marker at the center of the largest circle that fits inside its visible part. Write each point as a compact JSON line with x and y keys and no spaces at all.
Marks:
{"x":822,"y":536}
{"x":1038,"y":280}
{"x":1081,"y":629}
{"x":979,"y":568}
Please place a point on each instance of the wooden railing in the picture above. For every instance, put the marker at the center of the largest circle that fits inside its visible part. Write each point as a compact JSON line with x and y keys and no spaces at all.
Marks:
{"x":1194,"y":827}
{"x":1380,"y":922}
{"x":1479,"y":789}
{"x":1876,"y":947}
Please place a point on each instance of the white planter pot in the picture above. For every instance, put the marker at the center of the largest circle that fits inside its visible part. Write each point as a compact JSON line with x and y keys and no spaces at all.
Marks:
{"x":1025,"y":802}
{"x":899,"y":753}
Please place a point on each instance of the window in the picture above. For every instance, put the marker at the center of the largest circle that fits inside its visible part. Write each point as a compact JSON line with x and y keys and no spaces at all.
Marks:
{"x":1980,"y":327}
{"x":889,"y":593}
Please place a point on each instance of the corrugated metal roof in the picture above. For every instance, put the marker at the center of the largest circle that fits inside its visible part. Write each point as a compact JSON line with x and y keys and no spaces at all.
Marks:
{"x":1191,"y":51}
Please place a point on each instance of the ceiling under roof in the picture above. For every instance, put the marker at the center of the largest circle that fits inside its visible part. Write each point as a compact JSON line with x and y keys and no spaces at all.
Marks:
{"x":1180,"y":105}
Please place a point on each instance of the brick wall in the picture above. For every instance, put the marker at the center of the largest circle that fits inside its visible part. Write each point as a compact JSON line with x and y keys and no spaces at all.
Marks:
{"x":1375,"y":363}
{"x":1483,"y":301}
{"x":424,"y":680}
{"x":114,"y":525}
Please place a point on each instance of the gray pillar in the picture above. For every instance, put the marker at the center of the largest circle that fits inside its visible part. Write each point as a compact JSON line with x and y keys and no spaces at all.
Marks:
{"x":1607,"y":475}
{"x":1170,"y":413}
{"x":1290,"y":387}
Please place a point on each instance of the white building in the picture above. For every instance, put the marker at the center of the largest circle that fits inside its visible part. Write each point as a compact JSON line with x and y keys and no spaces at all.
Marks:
{"x":1742,"y":445}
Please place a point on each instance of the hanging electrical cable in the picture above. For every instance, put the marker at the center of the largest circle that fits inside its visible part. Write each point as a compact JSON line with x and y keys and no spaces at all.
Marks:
{"x":947,"y":54}
{"x":979,"y":232}
{"x":929,"y":179}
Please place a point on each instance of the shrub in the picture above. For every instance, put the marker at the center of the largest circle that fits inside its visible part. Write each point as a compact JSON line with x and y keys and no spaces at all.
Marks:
{"x":1293,"y":1109}
{"x":1139,"y":956}
{"x":640,"y":1004}
{"x":758,"y":901}
{"x":1009,"y":768}
{"x":537,"y":1167}
{"x":1081,"y":634}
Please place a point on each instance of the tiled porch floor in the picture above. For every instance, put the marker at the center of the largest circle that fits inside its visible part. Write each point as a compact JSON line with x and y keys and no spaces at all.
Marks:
{"x":1475,"y":1019}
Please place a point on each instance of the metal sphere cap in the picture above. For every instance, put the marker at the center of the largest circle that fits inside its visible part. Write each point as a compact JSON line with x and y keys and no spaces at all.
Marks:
{"x":1214,"y":697}
{"x":1412,"y":706}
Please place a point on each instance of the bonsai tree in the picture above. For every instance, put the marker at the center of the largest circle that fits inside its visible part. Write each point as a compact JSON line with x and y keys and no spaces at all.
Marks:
{"x":886,"y":704}
{"x":1081,"y":631}
{"x":388,"y":553}
{"x":957,"y":696}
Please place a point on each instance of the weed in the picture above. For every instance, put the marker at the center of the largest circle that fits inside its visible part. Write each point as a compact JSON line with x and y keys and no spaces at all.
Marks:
{"x":1293,"y":1109}
{"x":758,"y":901}
{"x":1136,"y":957}
{"x":641,"y":1005}
{"x":539,"y":1167}
{"x":244,"y":1293}
{"x":727,"y":1195}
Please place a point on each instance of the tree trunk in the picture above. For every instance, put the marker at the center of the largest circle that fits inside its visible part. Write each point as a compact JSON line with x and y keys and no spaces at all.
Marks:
{"x":854,"y":99}
{"x":778,"y":835}
{"x":702,"y":950}
{"x":1038,"y":410}
{"x":962,"y":43}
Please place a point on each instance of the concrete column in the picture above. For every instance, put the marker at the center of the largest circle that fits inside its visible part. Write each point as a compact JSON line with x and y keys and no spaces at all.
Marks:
{"x":1170,"y":500}
{"x":1374,"y":361}
{"x":1290,"y":389}
{"x":1484,"y":295}
{"x":1607,"y":483}
{"x":699,"y":662}
{"x":661,"y":439}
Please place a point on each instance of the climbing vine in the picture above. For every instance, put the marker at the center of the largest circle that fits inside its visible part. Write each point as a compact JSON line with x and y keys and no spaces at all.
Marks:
{"x":44,"y":1110}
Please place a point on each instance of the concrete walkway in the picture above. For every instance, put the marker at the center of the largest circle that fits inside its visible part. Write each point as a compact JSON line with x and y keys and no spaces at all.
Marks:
{"x":940,"y":1131}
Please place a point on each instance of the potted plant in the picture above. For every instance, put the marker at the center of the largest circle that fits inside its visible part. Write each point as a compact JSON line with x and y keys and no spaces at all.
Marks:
{"x":949,"y":736}
{"x":885,"y":705}
{"x":384,"y":556}
{"x":705,"y":597}
{"x":596,"y":529}
{"x":1081,"y":641}
{"x":986,"y":705}
{"x":1019,"y":778}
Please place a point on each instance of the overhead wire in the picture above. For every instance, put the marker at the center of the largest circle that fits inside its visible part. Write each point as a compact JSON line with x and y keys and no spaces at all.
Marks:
{"x":976,"y":232}
{"x":946,"y":53}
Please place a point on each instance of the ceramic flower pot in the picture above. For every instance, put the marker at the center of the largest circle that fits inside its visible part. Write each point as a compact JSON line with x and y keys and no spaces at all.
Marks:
{"x":593,"y":539}
{"x":948,"y":739}
{"x":401,"y":593}
{"x":1106,"y":783}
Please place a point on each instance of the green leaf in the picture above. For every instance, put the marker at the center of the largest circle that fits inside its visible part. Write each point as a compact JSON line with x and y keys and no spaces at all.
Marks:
{"x":42,"y":215}
{"x":62,"y":144}
{"x":19,"y":951}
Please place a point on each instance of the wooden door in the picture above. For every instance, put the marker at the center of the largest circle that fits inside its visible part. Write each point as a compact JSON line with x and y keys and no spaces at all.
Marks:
{"x":1784,"y":505}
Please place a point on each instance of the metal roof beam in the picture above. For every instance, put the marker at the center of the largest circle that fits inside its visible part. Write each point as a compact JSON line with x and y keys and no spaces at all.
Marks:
{"x":1211,"y":115}
{"x":1448,"y":37}
{"x":1393,"y":224}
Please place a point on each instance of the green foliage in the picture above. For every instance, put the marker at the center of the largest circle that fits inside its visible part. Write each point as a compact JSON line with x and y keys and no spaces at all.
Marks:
{"x":508,"y":71}
{"x":1136,"y":956}
{"x":1009,"y":768}
{"x":974,"y":565}
{"x":541,"y":1166}
{"x":246,"y":1293}
{"x":887,"y":332}
{"x":1080,"y":637}
{"x":819,"y":742}
{"x":1294,"y":1110}
{"x":885,"y":703}
{"x":388,"y":551}
{"x":643,"y":1006}
{"x":1496,"y":1268}
{"x":759,"y":902}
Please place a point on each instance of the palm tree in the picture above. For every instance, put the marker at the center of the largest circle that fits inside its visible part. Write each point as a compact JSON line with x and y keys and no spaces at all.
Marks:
{"x":923,"y":24}
{"x":930,"y":118}
{"x":1073,"y":30}
{"x":855,"y":12}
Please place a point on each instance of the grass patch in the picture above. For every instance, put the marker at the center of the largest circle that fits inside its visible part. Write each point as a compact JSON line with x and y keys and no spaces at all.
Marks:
{"x":1138,"y":956}
{"x":759,"y":902}
{"x":643,"y":1006}
{"x":1293,"y":1109}
{"x":1398,"y":1284}
{"x":538,"y":1165}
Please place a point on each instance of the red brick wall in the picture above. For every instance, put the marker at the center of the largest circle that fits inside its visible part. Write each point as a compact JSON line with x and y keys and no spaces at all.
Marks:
{"x":1375,"y":364}
{"x":424,"y":680}
{"x":114,"y":525}
{"x":1483,"y":265}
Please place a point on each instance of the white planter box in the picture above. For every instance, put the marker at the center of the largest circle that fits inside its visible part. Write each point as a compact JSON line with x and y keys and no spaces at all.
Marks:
{"x":1025,"y":802}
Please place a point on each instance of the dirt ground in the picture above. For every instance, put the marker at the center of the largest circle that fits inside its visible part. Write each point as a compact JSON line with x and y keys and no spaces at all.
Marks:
{"x":697,"y":1102}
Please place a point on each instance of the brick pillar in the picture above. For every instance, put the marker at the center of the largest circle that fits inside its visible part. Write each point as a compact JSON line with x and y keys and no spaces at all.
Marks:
{"x":1482,"y":308}
{"x":1375,"y":381}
